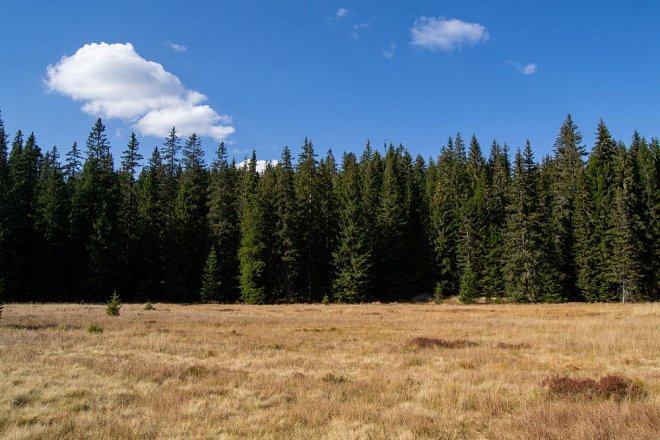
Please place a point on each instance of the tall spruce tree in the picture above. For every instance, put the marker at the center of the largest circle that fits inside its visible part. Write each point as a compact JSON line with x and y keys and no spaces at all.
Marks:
{"x":4,"y":206}
{"x":568,"y":151}
{"x":252,"y":250}
{"x":190,"y":223}
{"x":128,"y":215}
{"x":223,"y":222}
{"x":352,"y":258}
{"x":523,"y":234}
{"x":49,"y":277}
{"x":286,"y":233}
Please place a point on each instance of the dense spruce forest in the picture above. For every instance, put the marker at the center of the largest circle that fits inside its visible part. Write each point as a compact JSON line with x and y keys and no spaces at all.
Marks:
{"x":382,"y":226}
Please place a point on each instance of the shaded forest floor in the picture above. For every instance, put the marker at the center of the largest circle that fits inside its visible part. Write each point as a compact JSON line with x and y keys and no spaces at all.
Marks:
{"x":340,"y":371}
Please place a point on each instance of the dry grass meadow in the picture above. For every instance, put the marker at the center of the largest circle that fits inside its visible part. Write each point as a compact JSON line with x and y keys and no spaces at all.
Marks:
{"x":326,"y":372}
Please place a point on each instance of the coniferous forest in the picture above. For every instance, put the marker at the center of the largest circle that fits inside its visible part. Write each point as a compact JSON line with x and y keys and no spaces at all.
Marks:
{"x":476,"y":221}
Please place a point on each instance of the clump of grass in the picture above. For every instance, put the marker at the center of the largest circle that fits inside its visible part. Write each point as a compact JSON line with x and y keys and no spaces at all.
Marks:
{"x":95,"y":328}
{"x":607,"y":387}
{"x":149,"y":306}
{"x":333,"y":378}
{"x":507,"y":346}
{"x":422,"y":342}
{"x":113,"y":307}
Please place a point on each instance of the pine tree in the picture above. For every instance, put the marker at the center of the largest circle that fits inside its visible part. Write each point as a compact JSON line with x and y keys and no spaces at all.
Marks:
{"x":128,"y":214}
{"x":328,"y":224}
{"x":4,"y":207}
{"x":49,"y":278}
{"x":444,"y":220}
{"x":569,"y":166}
{"x":352,"y":258}
{"x":309,"y":223}
{"x":497,"y":187}
{"x":94,"y":219}
{"x":211,"y":290}
{"x":153,"y":227}
{"x":251,"y":254}
{"x":286,"y":233}
{"x":523,"y":241}
{"x":190,"y":223}
{"x":223,"y":222}
{"x":23,"y":173}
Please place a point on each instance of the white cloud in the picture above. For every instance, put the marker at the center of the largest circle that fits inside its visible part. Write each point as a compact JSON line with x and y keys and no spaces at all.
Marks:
{"x":341,"y":13}
{"x":446,"y":33}
{"x":113,"y":81}
{"x":176,"y":47}
{"x":261,"y":164}
{"x":389,"y":53}
{"x":527,"y":69}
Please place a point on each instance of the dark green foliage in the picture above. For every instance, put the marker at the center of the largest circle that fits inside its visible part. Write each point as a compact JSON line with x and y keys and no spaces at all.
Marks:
{"x":352,"y":258}
{"x":113,"y":307}
{"x":382,"y":228}
{"x":223,"y":221}
{"x":211,"y":290}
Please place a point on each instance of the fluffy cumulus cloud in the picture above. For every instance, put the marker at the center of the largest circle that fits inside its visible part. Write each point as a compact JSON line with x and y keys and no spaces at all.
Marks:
{"x":114,"y":81}
{"x":440,"y":33}
{"x":260,"y":165}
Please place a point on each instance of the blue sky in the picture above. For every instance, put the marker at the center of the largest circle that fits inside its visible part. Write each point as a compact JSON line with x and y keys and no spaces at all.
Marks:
{"x":263,"y":74}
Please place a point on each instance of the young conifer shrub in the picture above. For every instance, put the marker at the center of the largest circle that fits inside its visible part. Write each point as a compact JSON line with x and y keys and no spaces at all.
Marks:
{"x":113,"y":307}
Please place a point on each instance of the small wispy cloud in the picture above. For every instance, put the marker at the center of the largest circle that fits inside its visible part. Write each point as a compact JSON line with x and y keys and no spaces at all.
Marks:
{"x":341,"y":13}
{"x":176,"y":47}
{"x":527,"y":69}
{"x":355,"y":33}
{"x":447,"y":34}
{"x":389,"y":53}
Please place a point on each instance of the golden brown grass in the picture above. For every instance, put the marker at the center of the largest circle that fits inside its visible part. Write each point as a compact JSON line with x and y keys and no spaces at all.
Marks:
{"x":325,"y":372}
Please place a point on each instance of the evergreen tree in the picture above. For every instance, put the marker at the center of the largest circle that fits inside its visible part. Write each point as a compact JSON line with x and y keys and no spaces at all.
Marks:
{"x":569,"y":167}
{"x":128,"y":214}
{"x":352,"y":258}
{"x":444,"y":213}
{"x":153,"y":227}
{"x":328,"y":224}
{"x":223,"y":222}
{"x":49,"y":278}
{"x":523,"y":241}
{"x":4,"y":206}
{"x":94,"y":220}
{"x":251,"y":254}
{"x":309,"y":225}
{"x":211,"y":290}
{"x":286,"y":233}
{"x":190,"y":223}
{"x":23,"y":173}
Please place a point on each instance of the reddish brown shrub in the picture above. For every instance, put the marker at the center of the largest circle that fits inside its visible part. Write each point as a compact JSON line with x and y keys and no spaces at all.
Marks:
{"x":607,"y":387}
{"x":422,"y":342}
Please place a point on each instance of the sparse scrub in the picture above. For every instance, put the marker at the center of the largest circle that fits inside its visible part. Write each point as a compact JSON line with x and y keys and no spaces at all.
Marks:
{"x":347,"y":371}
{"x":149,"y":306}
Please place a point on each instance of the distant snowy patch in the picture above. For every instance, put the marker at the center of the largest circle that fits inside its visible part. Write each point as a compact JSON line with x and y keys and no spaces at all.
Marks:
{"x":261,"y":164}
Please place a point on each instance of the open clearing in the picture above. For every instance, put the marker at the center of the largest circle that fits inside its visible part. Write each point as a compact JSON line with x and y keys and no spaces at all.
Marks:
{"x":337,"y":372}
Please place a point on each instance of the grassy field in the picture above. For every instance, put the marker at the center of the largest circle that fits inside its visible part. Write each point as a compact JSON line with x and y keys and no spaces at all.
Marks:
{"x":327,"y":372}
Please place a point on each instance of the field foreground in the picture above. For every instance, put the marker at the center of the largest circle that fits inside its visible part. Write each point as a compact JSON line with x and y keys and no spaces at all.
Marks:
{"x":335,"y":372}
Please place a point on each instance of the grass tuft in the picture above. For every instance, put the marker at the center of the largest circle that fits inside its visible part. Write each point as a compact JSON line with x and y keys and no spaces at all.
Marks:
{"x":607,"y":387}
{"x":422,"y":342}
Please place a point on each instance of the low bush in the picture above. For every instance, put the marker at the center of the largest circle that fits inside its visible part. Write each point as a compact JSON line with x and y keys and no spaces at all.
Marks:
{"x":607,"y":387}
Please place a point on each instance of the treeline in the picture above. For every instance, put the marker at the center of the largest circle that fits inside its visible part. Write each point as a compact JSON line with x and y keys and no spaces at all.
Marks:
{"x":381,"y":226}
